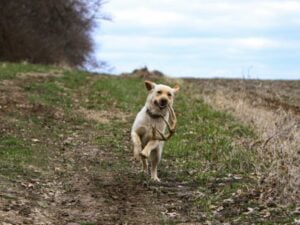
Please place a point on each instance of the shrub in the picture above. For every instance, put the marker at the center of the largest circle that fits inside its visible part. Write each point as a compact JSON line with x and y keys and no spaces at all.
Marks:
{"x":47,"y":32}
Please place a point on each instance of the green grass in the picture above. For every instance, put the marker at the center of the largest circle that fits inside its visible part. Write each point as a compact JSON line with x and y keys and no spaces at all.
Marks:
{"x":48,"y":93}
{"x":10,"y":70}
{"x":13,"y":154}
{"x":113,"y":135}
{"x":124,"y":94}
{"x":12,"y":148}
{"x":204,"y":137}
{"x":204,"y":143}
{"x":74,"y":79}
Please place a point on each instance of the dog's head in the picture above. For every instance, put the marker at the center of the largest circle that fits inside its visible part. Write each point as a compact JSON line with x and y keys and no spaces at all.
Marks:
{"x":160,"y":96}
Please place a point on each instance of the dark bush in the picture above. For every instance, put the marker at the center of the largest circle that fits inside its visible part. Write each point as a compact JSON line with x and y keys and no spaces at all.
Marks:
{"x":47,"y":31}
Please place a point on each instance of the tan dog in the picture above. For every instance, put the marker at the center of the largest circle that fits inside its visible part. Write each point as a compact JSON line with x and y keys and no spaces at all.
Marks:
{"x":153,"y":116}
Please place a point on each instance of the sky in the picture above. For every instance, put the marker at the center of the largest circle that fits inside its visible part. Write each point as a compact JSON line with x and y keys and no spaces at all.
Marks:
{"x":202,"y":38}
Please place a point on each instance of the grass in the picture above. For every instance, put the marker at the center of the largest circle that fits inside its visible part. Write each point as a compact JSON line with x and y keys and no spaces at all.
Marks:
{"x":13,"y":154}
{"x":124,"y":94}
{"x":203,"y":147}
{"x":48,"y":93}
{"x":204,"y":138}
{"x":74,"y":79}
{"x":204,"y":141}
{"x":12,"y":148}
{"x":10,"y":70}
{"x":204,"y":150}
{"x":272,"y":109}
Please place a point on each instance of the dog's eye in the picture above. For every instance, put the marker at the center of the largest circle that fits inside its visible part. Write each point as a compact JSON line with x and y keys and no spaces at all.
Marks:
{"x":159,"y":92}
{"x":169,"y":94}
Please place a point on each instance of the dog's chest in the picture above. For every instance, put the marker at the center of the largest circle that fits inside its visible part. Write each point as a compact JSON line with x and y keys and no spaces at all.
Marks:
{"x":145,"y":131}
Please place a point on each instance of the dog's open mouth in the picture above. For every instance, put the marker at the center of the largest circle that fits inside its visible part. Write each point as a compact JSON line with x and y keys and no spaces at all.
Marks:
{"x":161,"y":104}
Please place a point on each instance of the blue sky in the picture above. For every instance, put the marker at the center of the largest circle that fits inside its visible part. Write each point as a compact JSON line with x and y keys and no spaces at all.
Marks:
{"x":197,"y":38}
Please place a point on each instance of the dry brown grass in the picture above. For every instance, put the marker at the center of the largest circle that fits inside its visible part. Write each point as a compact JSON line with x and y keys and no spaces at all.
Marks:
{"x":277,"y":122}
{"x":103,"y":116}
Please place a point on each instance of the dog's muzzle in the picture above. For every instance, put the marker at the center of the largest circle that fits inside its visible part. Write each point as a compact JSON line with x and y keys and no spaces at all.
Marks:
{"x":162,"y":103}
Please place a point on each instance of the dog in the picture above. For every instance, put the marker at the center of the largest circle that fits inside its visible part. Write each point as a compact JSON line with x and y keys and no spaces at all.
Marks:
{"x":152,"y":119}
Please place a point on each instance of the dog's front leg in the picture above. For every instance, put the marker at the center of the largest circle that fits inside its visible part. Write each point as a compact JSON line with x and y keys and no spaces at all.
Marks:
{"x":137,"y":149}
{"x":153,"y":144}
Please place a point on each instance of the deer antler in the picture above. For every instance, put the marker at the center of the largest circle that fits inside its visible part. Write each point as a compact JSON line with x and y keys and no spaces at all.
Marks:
{"x":170,"y":126}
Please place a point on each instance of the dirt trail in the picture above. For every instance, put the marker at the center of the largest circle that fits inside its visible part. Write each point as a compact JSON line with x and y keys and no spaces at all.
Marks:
{"x":76,"y":194}
{"x":114,"y":195}
{"x":87,"y":183}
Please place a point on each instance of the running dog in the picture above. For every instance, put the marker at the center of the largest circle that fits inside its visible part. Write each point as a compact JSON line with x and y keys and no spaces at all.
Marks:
{"x":148,"y":130}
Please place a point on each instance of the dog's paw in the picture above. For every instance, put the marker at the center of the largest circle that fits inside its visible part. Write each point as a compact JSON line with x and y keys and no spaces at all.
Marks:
{"x":144,"y":155}
{"x":156,"y":179}
{"x":136,"y":157}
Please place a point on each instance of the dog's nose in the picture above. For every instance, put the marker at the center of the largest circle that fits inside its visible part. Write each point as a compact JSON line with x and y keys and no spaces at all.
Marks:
{"x":163,"y":102}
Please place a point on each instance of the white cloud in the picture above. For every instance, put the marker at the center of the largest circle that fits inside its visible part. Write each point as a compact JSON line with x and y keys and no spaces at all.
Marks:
{"x":141,"y":43}
{"x":202,"y":14}
{"x":147,"y":17}
{"x":202,"y":36}
{"x":257,"y":43}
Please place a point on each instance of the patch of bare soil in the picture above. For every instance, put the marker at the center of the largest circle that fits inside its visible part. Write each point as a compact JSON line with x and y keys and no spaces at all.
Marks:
{"x":27,"y":75}
{"x":87,"y":185}
{"x":12,"y":96}
{"x":103,"y":116}
{"x":101,"y":190}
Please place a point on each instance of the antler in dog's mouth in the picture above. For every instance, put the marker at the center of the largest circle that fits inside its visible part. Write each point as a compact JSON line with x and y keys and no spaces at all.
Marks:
{"x":171,"y":126}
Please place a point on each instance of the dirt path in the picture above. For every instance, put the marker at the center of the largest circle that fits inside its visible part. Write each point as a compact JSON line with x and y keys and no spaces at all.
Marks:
{"x":113,"y":196}
{"x":87,"y":186}
{"x":101,"y":190}
{"x":86,"y":183}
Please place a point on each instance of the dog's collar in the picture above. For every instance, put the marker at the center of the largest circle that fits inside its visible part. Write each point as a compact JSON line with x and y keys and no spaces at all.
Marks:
{"x":153,"y":115}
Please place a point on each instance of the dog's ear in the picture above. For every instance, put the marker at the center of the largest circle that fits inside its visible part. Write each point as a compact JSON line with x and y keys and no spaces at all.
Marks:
{"x":176,"y":88}
{"x":149,"y":85}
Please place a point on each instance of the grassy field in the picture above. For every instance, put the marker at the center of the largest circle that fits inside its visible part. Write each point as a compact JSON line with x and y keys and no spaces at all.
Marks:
{"x":65,"y":155}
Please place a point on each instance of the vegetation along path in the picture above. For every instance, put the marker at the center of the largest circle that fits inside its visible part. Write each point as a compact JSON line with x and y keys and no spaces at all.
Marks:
{"x":65,"y":156}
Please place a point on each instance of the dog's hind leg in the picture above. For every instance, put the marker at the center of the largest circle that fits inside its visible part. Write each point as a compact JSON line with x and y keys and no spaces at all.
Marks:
{"x":145,"y":165}
{"x":137,"y":145}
